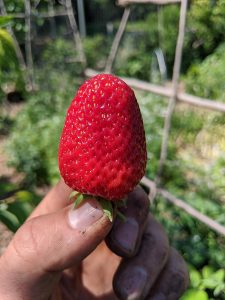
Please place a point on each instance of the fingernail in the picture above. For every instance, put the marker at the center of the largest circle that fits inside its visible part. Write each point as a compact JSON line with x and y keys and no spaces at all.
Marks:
{"x":126,"y":234}
{"x":85,"y":215}
{"x":133,"y":283}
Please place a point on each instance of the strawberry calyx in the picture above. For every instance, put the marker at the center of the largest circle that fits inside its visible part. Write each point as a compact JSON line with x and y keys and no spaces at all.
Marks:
{"x":110,"y":209}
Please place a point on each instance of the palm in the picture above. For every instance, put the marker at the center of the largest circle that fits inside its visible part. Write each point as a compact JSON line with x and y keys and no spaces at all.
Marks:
{"x":93,"y":280}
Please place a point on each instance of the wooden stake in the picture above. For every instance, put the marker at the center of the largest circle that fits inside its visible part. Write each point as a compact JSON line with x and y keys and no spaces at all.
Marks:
{"x":76,"y":35}
{"x":28,"y":47}
{"x":116,"y":41}
{"x":51,"y":12}
{"x":175,"y":81}
{"x":184,"y":206}
{"x":158,"y":2}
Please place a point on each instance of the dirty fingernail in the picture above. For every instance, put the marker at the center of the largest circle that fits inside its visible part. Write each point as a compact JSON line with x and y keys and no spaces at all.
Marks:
{"x":85,"y":214}
{"x":133,"y":283}
{"x":126,"y":234}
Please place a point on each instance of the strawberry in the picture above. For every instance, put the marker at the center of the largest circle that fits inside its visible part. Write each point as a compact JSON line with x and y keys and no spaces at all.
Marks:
{"x":102,"y":149}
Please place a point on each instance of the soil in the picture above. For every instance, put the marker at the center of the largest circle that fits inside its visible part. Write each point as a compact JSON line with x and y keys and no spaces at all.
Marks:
{"x":7,"y":173}
{"x":5,"y":237}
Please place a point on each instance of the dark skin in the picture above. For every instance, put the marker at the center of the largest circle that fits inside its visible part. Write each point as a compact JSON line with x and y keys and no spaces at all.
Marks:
{"x":59,"y":254}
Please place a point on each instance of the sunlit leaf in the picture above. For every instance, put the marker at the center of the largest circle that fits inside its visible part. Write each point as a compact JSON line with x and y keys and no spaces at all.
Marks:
{"x":195,"y":295}
{"x":195,"y":278}
{"x":207,"y":271}
{"x":5,"y":20}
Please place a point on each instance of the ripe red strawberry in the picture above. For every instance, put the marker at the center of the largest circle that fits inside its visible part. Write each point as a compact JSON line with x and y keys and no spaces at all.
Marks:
{"x":102,"y":149}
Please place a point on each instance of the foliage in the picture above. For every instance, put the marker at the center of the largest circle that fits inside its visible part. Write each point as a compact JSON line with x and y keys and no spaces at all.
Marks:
{"x":202,"y":40}
{"x":133,"y":61}
{"x":98,"y":13}
{"x":96,"y":49}
{"x":33,"y":144}
{"x":5,"y":20}
{"x":15,"y":211}
{"x":157,"y":29}
{"x":64,"y":58}
{"x":13,"y":7}
{"x":9,"y":66}
{"x":192,"y":174}
{"x":204,"y":282}
{"x":5,"y":125}
{"x":210,"y":71}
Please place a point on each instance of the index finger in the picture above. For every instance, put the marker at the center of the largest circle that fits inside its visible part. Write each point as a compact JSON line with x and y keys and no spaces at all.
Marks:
{"x":125,"y":236}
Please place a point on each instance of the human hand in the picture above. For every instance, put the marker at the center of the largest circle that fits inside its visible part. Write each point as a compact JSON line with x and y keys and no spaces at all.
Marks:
{"x":54,"y":255}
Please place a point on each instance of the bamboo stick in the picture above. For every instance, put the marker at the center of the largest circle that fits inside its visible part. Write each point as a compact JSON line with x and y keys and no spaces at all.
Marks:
{"x":175,"y":82}
{"x":28,"y":47}
{"x":40,"y":15}
{"x":51,"y":11}
{"x":76,"y":34}
{"x":158,"y":2}
{"x":116,"y":41}
{"x":184,"y":206}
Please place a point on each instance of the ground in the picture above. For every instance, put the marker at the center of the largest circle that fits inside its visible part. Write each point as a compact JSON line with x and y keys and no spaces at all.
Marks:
{"x":7,"y":173}
{"x":5,"y":237}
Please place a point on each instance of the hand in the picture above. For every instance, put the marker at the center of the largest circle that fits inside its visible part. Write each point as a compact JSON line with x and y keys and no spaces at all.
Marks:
{"x":60,"y":253}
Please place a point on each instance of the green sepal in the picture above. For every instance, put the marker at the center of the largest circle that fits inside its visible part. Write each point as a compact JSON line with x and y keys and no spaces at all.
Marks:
{"x":121,"y":216}
{"x":107,"y":208}
{"x":122,"y":203}
{"x":79,"y":199}
{"x":73,"y":194}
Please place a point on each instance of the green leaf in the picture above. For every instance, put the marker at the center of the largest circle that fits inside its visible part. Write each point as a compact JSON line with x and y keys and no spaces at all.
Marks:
{"x":27,"y":196}
{"x":107,"y":208}
{"x":207,"y":271}
{"x":195,"y":295}
{"x":3,"y":206}
{"x":24,"y":196}
{"x":209,"y":283}
{"x":21,"y":210}
{"x":195,"y":278}
{"x":219,"y":289}
{"x":214,"y":280}
{"x":5,"y":20}
{"x":10,"y":220}
{"x":219,"y":275}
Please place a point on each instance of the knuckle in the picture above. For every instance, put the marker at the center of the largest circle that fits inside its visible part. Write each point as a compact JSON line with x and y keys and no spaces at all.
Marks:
{"x":137,"y":206}
{"x":24,"y":242}
{"x":139,"y":198}
{"x":158,"y":244}
{"x":178,"y":285}
{"x":163,"y":252}
{"x":179,"y":267}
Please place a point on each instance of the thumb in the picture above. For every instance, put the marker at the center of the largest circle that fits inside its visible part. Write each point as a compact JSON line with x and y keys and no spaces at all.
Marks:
{"x":46,"y":245}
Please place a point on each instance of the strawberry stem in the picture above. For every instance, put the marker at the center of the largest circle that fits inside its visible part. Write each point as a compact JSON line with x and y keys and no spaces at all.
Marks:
{"x":107,"y":206}
{"x":121,"y":216}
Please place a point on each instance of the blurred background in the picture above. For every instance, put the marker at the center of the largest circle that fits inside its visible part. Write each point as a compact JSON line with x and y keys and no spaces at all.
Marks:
{"x":43,"y":58}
